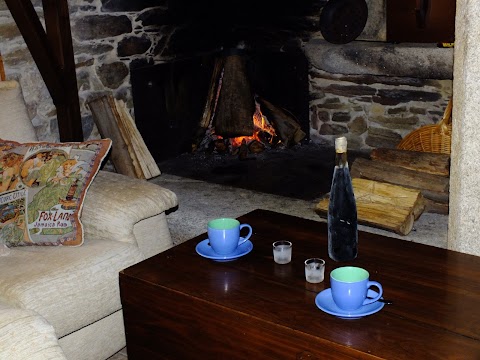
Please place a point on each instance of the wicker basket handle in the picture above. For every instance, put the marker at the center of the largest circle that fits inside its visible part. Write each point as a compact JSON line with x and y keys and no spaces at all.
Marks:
{"x":447,"y":117}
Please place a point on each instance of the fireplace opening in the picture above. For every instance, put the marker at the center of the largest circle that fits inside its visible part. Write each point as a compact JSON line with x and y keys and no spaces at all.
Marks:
{"x":171,"y":101}
{"x":249,"y":109}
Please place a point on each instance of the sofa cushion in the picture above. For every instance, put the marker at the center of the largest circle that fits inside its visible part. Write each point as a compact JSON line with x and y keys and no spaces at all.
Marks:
{"x":26,"y":335}
{"x":42,"y":187}
{"x":69,"y":287}
{"x":14,"y":111}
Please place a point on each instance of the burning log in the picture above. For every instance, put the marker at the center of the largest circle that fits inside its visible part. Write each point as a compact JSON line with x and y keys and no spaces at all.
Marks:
{"x":256,"y":147}
{"x":243,"y":151}
{"x":221,"y":146}
{"x":286,"y":126}
{"x":210,"y":104}
{"x":236,"y":103}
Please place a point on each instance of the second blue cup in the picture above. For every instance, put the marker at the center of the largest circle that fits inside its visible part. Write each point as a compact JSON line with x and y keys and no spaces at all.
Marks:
{"x":350,"y":285}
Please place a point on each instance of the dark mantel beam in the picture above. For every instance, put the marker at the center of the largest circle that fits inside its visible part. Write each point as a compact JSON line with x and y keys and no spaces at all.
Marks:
{"x":52,"y":51}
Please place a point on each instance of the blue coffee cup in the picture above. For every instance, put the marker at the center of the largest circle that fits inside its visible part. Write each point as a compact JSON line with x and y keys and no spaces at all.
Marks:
{"x":349,"y":285}
{"x":224,"y":235}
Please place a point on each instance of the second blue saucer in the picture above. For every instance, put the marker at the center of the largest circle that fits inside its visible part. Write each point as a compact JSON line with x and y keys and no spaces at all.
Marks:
{"x":324,"y":302}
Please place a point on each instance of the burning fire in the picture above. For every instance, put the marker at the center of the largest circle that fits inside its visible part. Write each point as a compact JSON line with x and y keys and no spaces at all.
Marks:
{"x":260,"y":126}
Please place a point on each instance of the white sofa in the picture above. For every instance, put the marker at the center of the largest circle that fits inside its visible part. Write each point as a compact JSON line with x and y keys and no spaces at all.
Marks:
{"x":64,"y":302}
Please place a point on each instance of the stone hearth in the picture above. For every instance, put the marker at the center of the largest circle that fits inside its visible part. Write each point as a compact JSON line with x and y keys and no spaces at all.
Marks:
{"x":202,"y":201}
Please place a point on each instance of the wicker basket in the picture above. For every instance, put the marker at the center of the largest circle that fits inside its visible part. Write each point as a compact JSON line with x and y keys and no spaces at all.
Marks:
{"x":431,"y":138}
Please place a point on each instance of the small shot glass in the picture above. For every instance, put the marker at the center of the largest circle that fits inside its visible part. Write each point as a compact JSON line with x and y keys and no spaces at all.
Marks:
{"x":314,"y":270}
{"x":282,"y":252}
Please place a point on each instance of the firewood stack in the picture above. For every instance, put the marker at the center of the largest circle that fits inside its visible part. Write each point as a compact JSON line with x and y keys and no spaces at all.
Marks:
{"x":394,"y":187}
{"x":386,"y":206}
{"x":427,"y":172}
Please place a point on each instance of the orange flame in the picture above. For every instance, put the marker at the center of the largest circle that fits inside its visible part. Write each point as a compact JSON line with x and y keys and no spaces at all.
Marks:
{"x":260,"y":125}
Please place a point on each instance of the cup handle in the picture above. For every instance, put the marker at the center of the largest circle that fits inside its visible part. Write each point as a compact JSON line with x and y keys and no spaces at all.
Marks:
{"x":380,"y":292}
{"x":248,"y":235}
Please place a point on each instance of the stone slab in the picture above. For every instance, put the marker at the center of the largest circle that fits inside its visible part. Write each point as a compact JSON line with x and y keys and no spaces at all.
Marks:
{"x":426,"y":61}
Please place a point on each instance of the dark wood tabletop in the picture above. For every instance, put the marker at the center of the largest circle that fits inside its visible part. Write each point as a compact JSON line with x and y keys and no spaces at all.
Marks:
{"x":180,"y":305}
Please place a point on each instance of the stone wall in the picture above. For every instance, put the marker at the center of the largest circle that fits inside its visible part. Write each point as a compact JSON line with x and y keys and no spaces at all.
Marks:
{"x":376,"y":93}
{"x":372,"y":111}
{"x":112,"y":36}
{"x":109,"y":37}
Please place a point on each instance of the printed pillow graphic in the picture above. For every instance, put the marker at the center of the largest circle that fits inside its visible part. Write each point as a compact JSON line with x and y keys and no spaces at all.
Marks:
{"x":42,"y":187}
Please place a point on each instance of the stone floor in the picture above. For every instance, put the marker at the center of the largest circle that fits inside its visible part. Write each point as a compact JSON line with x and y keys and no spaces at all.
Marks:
{"x":302,"y":171}
{"x":200,"y":201}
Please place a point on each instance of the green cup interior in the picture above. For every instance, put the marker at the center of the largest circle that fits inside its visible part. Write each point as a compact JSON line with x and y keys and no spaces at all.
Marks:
{"x":349,"y":274}
{"x":223,"y":223}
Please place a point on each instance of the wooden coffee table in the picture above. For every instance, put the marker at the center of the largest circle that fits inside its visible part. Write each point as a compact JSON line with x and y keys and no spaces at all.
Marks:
{"x":179,"y":305}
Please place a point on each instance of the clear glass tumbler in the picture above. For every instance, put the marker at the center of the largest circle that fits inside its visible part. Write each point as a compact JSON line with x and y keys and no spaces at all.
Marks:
{"x":314,"y":270}
{"x":282,"y":251}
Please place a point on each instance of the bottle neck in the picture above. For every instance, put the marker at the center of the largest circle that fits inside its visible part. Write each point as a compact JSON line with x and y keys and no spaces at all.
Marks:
{"x":341,"y":159}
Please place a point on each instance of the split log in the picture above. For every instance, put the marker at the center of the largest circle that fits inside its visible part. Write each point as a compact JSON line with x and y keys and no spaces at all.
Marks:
{"x":137,"y":148}
{"x":286,"y":126}
{"x":211,"y":102}
{"x":130,"y":155}
{"x":436,"y":207}
{"x":379,"y":171}
{"x":386,"y":206}
{"x":236,"y":105}
{"x":433,"y":187}
{"x":212,"y":95}
{"x":437,"y":164}
{"x":104,"y":115}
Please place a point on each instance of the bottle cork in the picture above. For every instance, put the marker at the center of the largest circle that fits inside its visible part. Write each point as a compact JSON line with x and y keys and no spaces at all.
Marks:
{"x":341,"y":144}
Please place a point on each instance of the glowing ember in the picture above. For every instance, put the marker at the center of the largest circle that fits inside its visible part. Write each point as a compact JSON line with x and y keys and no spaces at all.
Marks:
{"x":260,"y":126}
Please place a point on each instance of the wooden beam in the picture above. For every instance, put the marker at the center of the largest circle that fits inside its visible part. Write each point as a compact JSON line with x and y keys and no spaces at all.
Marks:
{"x":57,"y":22}
{"x":53,"y":53}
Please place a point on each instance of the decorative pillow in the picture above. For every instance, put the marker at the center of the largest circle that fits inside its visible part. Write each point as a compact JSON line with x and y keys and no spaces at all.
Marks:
{"x":42,"y":187}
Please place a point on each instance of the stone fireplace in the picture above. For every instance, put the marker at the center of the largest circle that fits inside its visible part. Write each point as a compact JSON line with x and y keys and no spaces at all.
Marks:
{"x":375,"y":103}
{"x":370,"y":90}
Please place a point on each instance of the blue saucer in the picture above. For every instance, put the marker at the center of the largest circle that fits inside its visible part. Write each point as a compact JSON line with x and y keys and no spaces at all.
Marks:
{"x":204,"y":249}
{"x":325,"y":302}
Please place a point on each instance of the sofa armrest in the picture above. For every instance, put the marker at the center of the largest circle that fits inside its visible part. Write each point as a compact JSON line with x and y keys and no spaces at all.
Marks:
{"x":114,"y":203}
{"x":26,"y":335}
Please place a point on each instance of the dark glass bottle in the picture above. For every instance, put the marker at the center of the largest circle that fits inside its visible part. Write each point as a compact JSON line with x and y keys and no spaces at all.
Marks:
{"x":342,"y":209}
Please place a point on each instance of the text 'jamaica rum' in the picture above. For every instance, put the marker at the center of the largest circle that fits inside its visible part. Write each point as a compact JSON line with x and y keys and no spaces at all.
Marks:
{"x":342,"y":209}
